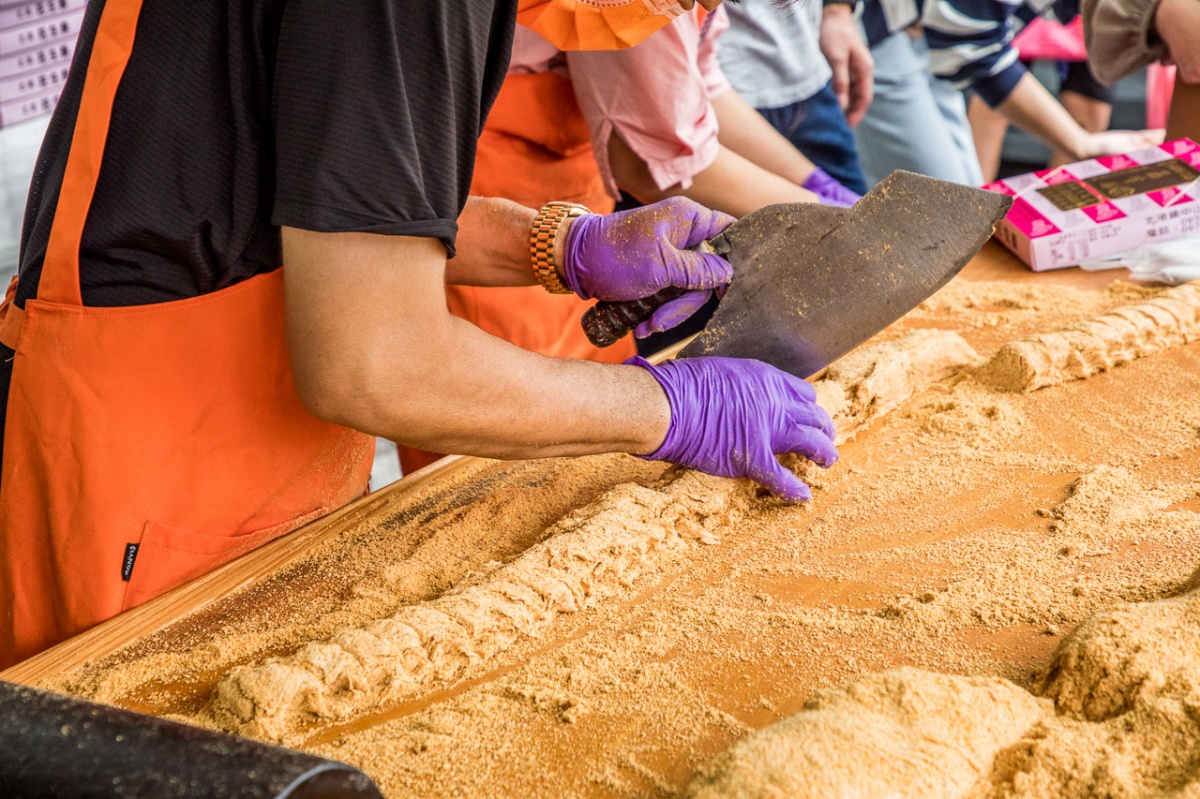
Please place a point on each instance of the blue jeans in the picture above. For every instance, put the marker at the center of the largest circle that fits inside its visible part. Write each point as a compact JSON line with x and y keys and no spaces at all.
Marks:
{"x":818,"y":128}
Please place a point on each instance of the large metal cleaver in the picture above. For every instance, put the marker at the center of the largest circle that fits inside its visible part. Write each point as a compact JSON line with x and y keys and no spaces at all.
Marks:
{"x":812,"y":282}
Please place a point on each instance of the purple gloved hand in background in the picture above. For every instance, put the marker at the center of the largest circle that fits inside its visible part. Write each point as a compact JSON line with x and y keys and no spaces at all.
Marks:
{"x":732,"y":416}
{"x":828,"y":190}
{"x":633,"y":254}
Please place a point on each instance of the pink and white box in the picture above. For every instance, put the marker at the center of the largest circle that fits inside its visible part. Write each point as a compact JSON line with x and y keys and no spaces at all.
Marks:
{"x":1103,"y":206}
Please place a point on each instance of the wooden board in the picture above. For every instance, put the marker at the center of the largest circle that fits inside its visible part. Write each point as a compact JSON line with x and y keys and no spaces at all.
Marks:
{"x":992,"y":263}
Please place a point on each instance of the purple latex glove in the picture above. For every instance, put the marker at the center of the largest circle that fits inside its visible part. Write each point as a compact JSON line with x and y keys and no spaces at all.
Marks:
{"x":677,"y":311}
{"x":828,"y":190}
{"x":633,"y":254}
{"x":732,"y":416}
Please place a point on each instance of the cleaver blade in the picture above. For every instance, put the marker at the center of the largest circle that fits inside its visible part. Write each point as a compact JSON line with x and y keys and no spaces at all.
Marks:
{"x":812,"y":282}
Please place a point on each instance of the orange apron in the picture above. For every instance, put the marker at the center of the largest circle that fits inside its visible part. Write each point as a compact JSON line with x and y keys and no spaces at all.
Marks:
{"x":535,"y":148}
{"x":145,"y":445}
{"x":596,"y":24}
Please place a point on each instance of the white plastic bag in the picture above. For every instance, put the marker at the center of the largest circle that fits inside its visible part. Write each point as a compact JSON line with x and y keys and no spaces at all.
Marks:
{"x":1171,"y":262}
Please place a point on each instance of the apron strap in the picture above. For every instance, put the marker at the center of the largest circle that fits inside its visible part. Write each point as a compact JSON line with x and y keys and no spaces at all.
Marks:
{"x":111,"y":50}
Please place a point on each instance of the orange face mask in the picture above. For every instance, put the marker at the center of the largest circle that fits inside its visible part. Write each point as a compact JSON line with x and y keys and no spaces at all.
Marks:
{"x":596,"y":24}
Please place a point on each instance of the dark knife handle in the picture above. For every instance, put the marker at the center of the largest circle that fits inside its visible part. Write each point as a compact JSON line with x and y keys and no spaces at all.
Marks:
{"x":606,"y":323}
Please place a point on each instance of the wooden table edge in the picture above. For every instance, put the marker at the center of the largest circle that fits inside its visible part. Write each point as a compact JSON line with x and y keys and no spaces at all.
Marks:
{"x":162,"y":611}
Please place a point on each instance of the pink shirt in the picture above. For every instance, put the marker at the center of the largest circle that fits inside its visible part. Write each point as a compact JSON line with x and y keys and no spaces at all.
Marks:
{"x":532,"y":54}
{"x":657,"y":95}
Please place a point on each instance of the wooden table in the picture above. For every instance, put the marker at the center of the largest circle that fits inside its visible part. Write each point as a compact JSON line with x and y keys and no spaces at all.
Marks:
{"x":423,"y":487}
{"x":931,"y":545}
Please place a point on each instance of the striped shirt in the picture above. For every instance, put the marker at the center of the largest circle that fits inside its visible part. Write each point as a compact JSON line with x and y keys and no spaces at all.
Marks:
{"x":881,"y":18}
{"x":970,"y":41}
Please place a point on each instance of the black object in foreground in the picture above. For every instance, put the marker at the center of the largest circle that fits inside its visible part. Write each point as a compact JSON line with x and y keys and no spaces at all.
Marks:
{"x":57,"y":747}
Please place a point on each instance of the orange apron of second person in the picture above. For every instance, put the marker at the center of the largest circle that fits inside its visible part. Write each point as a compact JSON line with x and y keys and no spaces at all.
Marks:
{"x":596,"y":24}
{"x":535,"y":148}
{"x":145,"y":445}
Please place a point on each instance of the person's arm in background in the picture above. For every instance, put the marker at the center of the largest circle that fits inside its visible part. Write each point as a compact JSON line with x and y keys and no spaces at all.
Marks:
{"x":1178,"y":25}
{"x":1125,"y":35}
{"x":985,"y":60}
{"x":1031,"y":107}
{"x":755,"y":166}
{"x":849,"y":58}
{"x":744,"y":131}
{"x":730,"y":183}
{"x":747,"y":133}
{"x":665,"y":123}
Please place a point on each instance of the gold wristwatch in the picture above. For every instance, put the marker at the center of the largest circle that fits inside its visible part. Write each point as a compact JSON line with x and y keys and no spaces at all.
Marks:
{"x":546,"y":226}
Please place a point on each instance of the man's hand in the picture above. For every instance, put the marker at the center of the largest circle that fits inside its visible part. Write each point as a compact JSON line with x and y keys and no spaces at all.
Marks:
{"x":634,"y":254}
{"x":851,"y":62}
{"x":1178,"y":24}
{"x":731,"y":417}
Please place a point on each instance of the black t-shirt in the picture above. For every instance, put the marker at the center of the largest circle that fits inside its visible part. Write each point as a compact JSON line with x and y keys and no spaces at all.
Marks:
{"x":234,"y":118}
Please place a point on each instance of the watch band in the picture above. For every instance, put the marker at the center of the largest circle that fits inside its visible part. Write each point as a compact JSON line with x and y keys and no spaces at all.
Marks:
{"x":546,"y":225}
{"x":852,"y":3}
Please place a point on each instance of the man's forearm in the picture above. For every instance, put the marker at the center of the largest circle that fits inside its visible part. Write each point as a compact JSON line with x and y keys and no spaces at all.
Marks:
{"x":374,"y":348}
{"x":493,"y":244}
{"x":496,"y":400}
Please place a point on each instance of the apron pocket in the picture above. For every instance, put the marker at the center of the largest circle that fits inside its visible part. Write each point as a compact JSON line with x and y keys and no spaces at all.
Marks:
{"x":168,"y":556}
